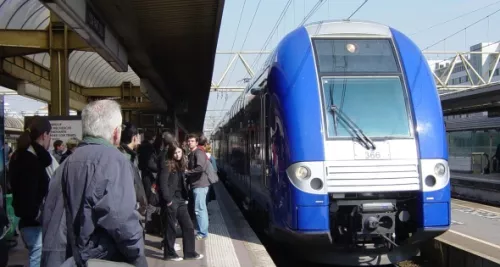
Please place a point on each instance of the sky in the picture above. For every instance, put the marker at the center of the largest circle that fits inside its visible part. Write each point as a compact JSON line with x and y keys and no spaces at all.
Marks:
{"x":413,"y":18}
{"x":425,"y":21}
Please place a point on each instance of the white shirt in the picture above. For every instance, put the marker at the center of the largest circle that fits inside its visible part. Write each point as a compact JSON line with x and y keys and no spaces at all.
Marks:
{"x":53,"y":166}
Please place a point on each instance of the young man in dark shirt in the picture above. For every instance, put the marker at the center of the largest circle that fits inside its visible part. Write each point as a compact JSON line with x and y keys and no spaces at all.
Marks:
{"x":198,"y":180}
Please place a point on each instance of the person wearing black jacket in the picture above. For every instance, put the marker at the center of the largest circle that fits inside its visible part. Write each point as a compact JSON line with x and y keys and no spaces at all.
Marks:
{"x":174,"y":198}
{"x":146,"y":154}
{"x":30,"y":182}
{"x":148,"y":164}
{"x":129,"y":142}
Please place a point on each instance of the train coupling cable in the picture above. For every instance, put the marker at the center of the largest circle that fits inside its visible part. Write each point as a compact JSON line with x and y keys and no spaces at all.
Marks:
{"x":388,"y":240}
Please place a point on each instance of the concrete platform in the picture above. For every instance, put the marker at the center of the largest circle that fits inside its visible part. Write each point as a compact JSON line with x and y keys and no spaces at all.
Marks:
{"x":475,"y":230}
{"x":231,"y":242}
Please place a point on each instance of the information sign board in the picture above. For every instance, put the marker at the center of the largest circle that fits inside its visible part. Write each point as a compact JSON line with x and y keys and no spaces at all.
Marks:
{"x":63,"y":127}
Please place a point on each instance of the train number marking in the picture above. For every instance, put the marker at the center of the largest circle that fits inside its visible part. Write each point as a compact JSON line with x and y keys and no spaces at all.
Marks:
{"x":372,"y":155}
{"x":382,"y":152}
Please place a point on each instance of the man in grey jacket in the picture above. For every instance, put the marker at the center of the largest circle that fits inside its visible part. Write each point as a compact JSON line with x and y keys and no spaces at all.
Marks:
{"x":199,"y":184}
{"x":98,"y":185}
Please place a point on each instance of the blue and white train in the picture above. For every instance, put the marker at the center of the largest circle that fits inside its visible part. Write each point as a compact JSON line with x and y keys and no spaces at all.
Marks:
{"x":340,"y":142}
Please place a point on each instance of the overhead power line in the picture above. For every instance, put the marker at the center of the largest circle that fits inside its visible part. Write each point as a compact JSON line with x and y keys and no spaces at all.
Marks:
{"x":234,"y":40}
{"x":245,"y":40}
{"x":357,"y":9}
{"x":457,"y":32}
{"x":455,"y":18}
{"x":266,"y":43}
{"x":312,"y":11}
{"x":239,"y":21}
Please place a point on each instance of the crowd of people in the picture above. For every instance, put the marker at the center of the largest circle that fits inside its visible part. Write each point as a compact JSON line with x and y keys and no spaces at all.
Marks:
{"x":96,"y":198}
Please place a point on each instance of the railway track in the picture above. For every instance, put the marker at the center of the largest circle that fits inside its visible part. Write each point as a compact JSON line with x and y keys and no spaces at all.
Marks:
{"x":478,"y":192}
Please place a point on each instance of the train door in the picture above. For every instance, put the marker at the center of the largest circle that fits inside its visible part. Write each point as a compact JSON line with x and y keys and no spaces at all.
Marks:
{"x":265,"y":141}
{"x":246,"y":171}
{"x":270,"y":177}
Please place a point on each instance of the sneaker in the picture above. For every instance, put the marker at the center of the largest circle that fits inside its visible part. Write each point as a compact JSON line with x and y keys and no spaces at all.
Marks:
{"x":177,"y":258}
{"x":197,"y":257}
{"x":200,"y":237}
{"x":177,"y":247}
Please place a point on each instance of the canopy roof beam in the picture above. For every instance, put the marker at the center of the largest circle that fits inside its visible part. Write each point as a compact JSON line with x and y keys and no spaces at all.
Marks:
{"x":32,"y":72}
{"x":26,"y":42}
{"x":112,"y":92}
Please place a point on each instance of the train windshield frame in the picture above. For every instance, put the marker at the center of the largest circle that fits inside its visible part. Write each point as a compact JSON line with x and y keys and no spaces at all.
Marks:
{"x":362,"y":77}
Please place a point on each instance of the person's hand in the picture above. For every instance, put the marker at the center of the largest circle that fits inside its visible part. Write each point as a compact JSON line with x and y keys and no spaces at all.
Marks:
{"x":169,"y":204}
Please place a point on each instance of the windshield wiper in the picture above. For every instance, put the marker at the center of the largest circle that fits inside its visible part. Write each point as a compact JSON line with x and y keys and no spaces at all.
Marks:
{"x":365,"y":140}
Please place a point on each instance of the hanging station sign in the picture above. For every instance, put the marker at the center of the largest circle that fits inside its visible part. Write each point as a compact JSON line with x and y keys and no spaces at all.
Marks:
{"x":63,"y":127}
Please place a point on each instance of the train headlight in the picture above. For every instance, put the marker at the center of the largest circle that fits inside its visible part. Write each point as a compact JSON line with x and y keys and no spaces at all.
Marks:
{"x":352,"y":48}
{"x":308,"y":177}
{"x":435,"y":174}
{"x":302,"y":172}
{"x":439,"y":169}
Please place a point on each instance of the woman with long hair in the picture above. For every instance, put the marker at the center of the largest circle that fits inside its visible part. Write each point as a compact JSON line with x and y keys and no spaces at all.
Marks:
{"x":174,"y":200}
{"x":30,"y":174}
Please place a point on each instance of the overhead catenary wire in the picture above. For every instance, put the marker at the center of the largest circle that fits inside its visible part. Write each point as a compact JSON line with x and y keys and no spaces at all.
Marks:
{"x":269,"y":38}
{"x":463,"y":29}
{"x":460,"y":16}
{"x":237,"y":28}
{"x":246,"y":35}
{"x":312,"y":11}
{"x":242,"y":45}
{"x":452,"y":19}
{"x":304,"y":20}
{"x":234,"y":41}
{"x":473,"y":50}
{"x":357,"y":9}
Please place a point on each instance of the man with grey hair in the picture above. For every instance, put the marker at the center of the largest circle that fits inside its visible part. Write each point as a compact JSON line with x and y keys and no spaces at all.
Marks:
{"x":95,"y":188}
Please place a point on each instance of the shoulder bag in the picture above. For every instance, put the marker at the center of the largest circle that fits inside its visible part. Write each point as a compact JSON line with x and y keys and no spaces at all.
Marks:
{"x":212,"y":175}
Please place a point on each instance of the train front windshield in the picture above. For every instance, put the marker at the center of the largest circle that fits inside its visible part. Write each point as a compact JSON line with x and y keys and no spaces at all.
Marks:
{"x":362,"y":81}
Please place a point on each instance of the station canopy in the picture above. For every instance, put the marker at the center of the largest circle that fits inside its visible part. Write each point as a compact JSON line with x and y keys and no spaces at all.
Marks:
{"x":170,"y":43}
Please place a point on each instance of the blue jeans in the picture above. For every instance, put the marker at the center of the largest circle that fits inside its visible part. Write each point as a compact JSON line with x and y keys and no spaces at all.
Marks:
{"x":200,"y":209}
{"x":32,"y":238}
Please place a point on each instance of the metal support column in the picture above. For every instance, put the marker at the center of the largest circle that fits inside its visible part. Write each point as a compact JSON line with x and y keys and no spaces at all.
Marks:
{"x":59,"y":76}
{"x":126,"y":115}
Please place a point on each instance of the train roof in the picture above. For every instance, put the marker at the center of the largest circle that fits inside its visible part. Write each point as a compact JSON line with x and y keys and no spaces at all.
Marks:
{"x":347,"y":28}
